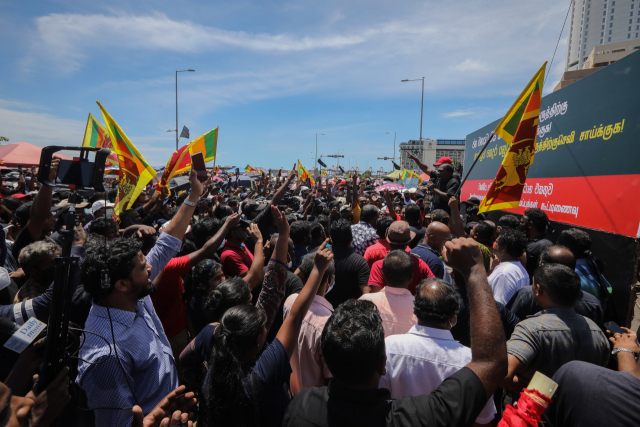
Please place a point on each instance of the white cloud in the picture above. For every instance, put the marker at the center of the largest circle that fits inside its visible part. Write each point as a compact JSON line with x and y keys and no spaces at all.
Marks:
{"x":470,"y":65}
{"x":457,"y":113}
{"x":39,"y":128}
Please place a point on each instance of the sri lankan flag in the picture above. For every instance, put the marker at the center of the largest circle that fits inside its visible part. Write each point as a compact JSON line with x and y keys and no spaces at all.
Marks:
{"x":248,"y":169}
{"x":303,"y":175}
{"x":519,"y":129}
{"x":97,"y":136}
{"x":135,"y":172}
{"x":406,"y":174}
{"x":324,"y":173}
{"x":180,"y":161}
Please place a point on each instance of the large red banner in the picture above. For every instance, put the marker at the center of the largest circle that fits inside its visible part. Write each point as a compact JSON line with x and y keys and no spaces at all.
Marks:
{"x":601,"y":202}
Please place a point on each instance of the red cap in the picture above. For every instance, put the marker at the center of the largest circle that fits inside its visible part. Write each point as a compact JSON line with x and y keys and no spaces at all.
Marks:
{"x":19,"y":196}
{"x":443,"y":160}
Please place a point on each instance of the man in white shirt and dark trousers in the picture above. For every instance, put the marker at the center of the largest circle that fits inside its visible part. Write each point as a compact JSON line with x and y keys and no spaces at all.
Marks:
{"x":420,"y":360}
{"x":510,"y":275}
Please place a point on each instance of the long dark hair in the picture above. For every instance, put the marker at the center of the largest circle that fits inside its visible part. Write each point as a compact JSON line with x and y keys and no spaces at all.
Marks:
{"x":226,"y":401}
{"x":230,"y":293}
{"x":200,"y":273}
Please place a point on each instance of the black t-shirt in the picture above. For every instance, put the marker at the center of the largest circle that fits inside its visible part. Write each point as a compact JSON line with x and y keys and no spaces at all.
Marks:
{"x":456,"y":402}
{"x":293,"y":285}
{"x":589,"y":395}
{"x":522,"y":305}
{"x":534,"y":249}
{"x":420,"y":232}
{"x":461,"y":331}
{"x":449,"y":186}
{"x":352,"y":271}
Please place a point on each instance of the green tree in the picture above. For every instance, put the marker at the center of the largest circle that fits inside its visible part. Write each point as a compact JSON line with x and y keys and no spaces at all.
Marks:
{"x":4,"y":139}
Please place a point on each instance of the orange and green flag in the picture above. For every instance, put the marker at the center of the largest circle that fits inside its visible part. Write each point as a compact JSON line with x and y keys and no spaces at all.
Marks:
{"x":303,"y":175}
{"x":406,"y":174}
{"x":97,"y":136}
{"x":135,"y":172}
{"x":180,"y":160}
{"x":248,"y":169}
{"x":519,"y":129}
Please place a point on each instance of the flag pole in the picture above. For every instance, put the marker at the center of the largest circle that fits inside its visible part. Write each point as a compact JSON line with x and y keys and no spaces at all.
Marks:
{"x":474,"y":163}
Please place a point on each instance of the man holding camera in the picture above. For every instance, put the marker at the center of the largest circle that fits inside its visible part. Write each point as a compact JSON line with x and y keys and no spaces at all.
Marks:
{"x":443,"y":183}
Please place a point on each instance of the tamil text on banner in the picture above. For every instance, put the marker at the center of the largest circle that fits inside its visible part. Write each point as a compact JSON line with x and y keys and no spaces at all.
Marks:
{"x":135,"y":172}
{"x":506,"y":190}
{"x":586,"y":169}
{"x":97,"y":136}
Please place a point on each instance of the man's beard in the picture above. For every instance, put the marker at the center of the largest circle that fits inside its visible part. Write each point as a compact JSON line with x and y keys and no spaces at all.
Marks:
{"x":148,"y":289}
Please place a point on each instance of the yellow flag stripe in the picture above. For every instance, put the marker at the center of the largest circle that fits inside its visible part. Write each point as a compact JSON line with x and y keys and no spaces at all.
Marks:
{"x":516,"y":105}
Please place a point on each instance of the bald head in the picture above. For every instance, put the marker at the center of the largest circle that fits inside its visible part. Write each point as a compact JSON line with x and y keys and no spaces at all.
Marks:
{"x":558,"y":255}
{"x":437,"y":234}
{"x":436,"y":303}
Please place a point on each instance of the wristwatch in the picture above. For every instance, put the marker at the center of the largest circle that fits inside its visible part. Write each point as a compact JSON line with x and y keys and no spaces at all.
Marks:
{"x":626,"y":350}
{"x":188,"y":203}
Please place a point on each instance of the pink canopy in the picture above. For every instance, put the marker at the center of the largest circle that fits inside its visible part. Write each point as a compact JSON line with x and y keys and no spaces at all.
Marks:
{"x":23,"y":153}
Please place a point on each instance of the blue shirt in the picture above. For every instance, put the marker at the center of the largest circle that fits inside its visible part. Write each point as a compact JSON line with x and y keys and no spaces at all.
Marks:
{"x":589,"y":279}
{"x":300,"y":251}
{"x":431,"y":257}
{"x":143,"y":351}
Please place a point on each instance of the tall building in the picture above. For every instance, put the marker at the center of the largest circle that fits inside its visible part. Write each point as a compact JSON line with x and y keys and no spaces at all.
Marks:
{"x":429,"y":151}
{"x":599,"y":22}
{"x":415,"y":147}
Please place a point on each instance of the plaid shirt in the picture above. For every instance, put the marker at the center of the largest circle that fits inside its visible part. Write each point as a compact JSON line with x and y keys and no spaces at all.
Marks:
{"x":364,"y":235}
{"x":550,"y":338}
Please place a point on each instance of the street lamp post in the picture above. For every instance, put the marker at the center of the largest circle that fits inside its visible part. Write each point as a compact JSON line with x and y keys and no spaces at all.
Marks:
{"x":178,"y":71}
{"x":394,"y":148}
{"x":315,"y":164}
{"x":421,"y":105}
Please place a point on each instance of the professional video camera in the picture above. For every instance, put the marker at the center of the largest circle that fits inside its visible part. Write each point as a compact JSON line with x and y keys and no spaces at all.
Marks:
{"x":76,"y":174}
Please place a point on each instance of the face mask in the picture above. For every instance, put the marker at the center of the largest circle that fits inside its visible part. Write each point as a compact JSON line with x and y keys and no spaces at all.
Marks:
{"x":331,"y":287}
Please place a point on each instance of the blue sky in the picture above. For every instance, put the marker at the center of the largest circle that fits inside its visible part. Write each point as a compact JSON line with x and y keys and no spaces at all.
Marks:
{"x":270,"y":74}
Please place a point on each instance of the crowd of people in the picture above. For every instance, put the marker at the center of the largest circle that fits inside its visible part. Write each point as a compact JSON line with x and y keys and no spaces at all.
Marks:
{"x":300,"y":304}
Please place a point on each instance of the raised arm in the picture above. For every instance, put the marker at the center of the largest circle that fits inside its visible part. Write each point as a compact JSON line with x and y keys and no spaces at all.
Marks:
{"x":283,"y":189}
{"x":214,"y":242}
{"x":254,"y":274}
{"x":455,"y":222}
{"x":290,"y":329}
{"x":424,"y":168}
{"x":488,"y":345}
{"x":272,"y":290}
{"x":355,"y":200}
{"x":178,"y":225}
{"x":41,"y":207}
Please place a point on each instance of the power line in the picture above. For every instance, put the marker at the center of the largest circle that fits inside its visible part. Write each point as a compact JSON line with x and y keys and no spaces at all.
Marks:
{"x":559,"y":37}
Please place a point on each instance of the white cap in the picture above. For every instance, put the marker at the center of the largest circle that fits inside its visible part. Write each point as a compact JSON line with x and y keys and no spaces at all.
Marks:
{"x":99,"y":204}
{"x":303,"y":188}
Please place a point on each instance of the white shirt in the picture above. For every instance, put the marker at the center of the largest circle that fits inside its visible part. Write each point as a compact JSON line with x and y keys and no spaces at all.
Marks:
{"x":420,"y":360}
{"x":506,"y":279}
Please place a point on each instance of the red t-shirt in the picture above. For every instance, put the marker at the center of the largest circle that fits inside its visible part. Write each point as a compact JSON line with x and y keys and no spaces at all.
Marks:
{"x":236,"y":260}
{"x":421,"y":271}
{"x":167,"y":301}
{"x":378,"y":251}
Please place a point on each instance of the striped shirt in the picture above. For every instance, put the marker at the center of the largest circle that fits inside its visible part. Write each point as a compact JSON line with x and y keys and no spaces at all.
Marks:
{"x":144,"y":353}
